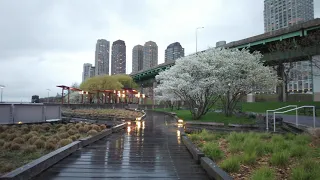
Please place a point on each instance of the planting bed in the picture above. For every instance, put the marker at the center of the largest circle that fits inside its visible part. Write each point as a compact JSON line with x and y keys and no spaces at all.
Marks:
{"x":20,"y":144}
{"x":101,"y":114}
{"x":262,"y":156}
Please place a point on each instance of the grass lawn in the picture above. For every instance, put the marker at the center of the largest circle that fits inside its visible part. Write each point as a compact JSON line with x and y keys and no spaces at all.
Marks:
{"x":262,"y":156}
{"x":210,"y":117}
{"x":20,"y":144}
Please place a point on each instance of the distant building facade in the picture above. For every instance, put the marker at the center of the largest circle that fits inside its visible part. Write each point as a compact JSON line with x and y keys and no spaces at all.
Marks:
{"x":137,"y":58}
{"x":150,"y":55}
{"x":283,"y":13}
{"x":174,"y":51}
{"x":102,"y":57}
{"x":86,"y":71}
{"x":118,"y":58}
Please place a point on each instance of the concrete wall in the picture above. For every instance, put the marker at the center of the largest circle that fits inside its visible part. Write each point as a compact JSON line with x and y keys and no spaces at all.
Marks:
{"x":28,"y":113}
{"x":316,"y":78}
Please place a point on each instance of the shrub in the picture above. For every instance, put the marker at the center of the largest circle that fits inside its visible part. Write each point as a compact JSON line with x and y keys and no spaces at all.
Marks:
{"x":73,"y":137}
{"x":78,"y":125}
{"x":18,"y":140}
{"x":87,"y":126}
{"x":213,"y":151}
{"x":102,"y":127}
{"x":25,"y":129}
{"x":39,"y":143}
{"x":308,"y":169}
{"x":299,"y":151}
{"x":92,"y":132}
{"x":26,"y":137}
{"x":43,"y":138}
{"x":10,"y":137}
{"x":2,"y":142}
{"x":64,"y":142}
{"x":50,"y":146}
{"x":34,"y":133}
{"x":96,"y":127}
{"x":236,"y":137}
{"x":205,"y":135}
{"x":249,"y":158}
{"x":15,"y":146}
{"x":62,"y":129}
{"x":195,"y":137}
{"x":63,"y":135}
{"x":7,"y":145}
{"x":290,"y":136}
{"x":53,"y":139}
{"x":36,"y":127}
{"x":3,"y":135}
{"x":280,"y":158}
{"x":235,"y":147}
{"x":277,"y":138}
{"x":29,"y":149}
{"x":32,"y":140}
{"x":72,"y":132}
{"x":46,"y":126}
{"x":83,"y":130}
{"x":231,"y":164}
{"x":6,"y":167}
{"x":263,"y":173}
{"x":302,"y":139}
{"x":254,"y":145}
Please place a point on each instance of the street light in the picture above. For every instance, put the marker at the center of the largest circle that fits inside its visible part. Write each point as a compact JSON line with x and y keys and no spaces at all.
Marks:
{"x":1,"y":87}
{"x":197,"y":37}
{"x":48,"y":95}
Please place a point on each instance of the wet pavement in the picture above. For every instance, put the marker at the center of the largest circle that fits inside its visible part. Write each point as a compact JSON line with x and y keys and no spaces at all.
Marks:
{"x":151,"y":149}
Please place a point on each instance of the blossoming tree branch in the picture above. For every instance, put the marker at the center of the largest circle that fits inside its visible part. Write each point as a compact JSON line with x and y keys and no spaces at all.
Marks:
{"x":216,"y":75}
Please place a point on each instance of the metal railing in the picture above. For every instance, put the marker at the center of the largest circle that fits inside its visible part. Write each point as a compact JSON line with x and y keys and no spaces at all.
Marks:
{"x":274,"y":110}
{"x":296,"y":109}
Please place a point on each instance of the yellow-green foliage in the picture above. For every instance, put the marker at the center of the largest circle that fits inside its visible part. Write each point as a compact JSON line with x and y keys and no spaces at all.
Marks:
{"x":104,"y":82}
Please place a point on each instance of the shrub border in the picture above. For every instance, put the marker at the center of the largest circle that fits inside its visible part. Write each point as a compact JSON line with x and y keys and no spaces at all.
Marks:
{"x":36,"y":166}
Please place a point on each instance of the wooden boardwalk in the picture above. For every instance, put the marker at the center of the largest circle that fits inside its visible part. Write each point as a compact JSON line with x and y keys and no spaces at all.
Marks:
{"x":149,"y":150}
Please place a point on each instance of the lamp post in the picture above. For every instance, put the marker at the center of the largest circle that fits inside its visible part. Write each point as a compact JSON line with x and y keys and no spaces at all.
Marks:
{"x":1,"y":87}
{"x":48,"y":95}
{"x":197,"y":37}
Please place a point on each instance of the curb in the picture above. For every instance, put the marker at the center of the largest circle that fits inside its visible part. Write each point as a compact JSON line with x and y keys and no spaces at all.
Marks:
{"x":118,"y":127}
{"x":194,"y":150}
{"x":91,"y":139}
{"x":213,"y":170}
{"x":37,"y":166}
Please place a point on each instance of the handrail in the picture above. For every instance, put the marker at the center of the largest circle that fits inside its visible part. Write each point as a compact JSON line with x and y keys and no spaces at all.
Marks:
{"x":267,"y":117}
{"x":314,"y":115}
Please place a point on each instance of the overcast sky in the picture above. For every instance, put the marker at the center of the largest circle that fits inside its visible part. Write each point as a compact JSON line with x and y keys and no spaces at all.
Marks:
{"x":44,"y":43}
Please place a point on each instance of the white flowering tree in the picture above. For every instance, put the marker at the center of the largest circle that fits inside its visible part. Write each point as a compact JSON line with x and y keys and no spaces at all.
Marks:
{"x":240,"y":73}
{"x":201,"y":79}
{"x":169,"y":99}
{"x":192,"y":80}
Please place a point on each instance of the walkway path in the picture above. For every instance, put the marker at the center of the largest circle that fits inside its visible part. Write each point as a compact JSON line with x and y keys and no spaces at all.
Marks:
{"x":302,"y":120}
{"x":149,"y":150}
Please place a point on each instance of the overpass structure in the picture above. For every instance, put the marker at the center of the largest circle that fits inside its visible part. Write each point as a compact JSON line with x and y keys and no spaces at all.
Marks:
{"x":303,"y":37}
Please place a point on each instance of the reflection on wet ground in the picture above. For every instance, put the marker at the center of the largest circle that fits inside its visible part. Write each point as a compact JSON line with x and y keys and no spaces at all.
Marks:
{"x":149,"y":149}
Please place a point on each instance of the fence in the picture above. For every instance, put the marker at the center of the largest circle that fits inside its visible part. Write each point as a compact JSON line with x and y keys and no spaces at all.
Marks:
{"x":28,"y":113}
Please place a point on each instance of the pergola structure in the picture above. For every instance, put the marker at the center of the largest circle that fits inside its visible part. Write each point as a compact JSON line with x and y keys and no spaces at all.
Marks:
{"x":72,"y":89}
{"x":116,"y":96}
{"x":126,"y":95}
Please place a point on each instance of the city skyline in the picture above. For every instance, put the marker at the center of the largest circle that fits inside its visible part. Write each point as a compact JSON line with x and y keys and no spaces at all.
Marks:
{"x":56,"y":51}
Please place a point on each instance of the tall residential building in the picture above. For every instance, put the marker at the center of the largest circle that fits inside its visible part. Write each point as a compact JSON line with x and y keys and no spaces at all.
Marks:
{"x":174,"y":51}
{"x":92,"y":71}
{"x":102,"y":57}
{"x":150,"y":55}
{"x":86,"y":71}
{"x":118,"y":58}
{"x":137,"y":58}
{"x":283,"y":13}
